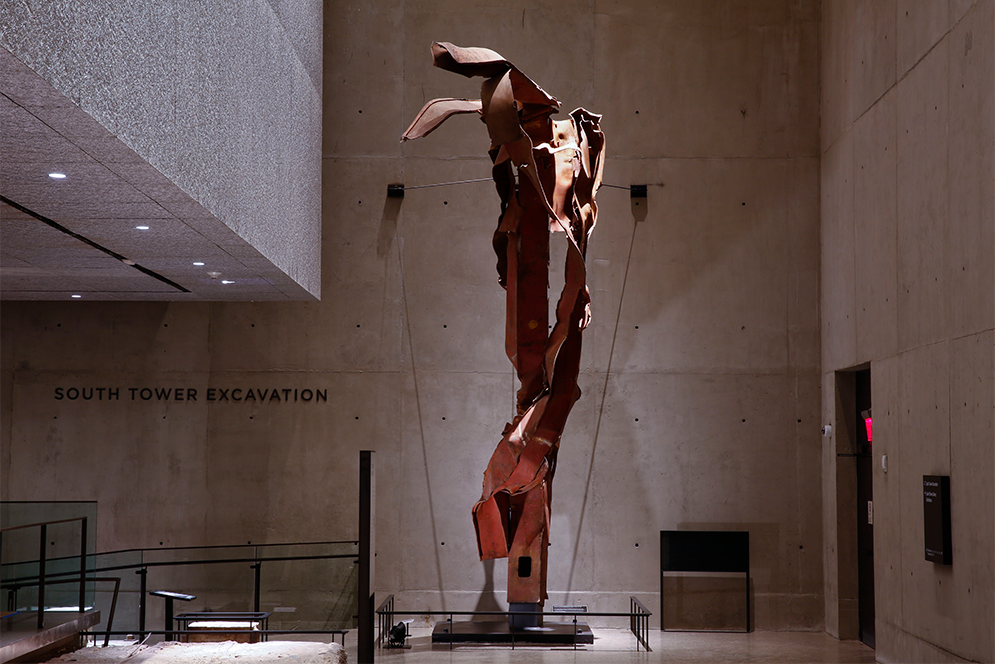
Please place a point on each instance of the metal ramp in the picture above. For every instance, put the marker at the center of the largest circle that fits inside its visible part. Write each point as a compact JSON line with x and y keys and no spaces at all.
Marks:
{"x":22,"y":640}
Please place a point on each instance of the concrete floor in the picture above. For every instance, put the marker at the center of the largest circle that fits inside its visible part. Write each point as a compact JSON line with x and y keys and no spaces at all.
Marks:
{"x":610,"y":646}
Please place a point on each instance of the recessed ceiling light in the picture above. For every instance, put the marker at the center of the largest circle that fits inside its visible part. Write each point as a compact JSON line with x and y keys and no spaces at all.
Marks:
{"x":198,"y":263}
{"x":57,"y":176}
{"x":141,"y":228}
{"x":226,"y":281}
{"x":76,"y":296}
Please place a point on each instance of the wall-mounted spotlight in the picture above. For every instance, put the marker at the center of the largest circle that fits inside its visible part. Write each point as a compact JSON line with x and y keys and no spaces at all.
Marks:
{"x":397,"y":634}
{"x":638,"y":201}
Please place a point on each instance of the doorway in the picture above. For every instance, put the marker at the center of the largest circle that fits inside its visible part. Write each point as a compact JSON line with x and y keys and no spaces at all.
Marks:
{"x":852,"y":469}
{"x":865,"y":504}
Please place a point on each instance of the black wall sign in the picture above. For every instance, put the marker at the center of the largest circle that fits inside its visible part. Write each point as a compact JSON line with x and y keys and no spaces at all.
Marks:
{"x":187,"y":394}
{"x":936,"y":518}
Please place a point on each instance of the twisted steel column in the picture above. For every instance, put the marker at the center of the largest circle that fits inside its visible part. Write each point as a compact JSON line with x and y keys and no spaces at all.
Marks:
{"x":547,"y":173}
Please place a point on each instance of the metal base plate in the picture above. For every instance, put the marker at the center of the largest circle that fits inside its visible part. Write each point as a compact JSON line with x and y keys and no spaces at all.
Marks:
{"x":499,"y":631}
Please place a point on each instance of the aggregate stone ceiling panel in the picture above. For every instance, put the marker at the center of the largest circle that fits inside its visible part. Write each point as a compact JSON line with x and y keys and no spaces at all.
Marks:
{"x":113,"y":228}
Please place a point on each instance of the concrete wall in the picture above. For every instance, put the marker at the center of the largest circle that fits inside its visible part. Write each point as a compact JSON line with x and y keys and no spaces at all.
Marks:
{"x":908,"y":287}
{"x":701,"y":368}
{"x":221,"y":98}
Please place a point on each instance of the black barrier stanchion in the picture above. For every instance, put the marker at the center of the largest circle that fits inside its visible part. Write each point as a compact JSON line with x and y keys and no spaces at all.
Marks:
{"x":42,"y":550}
{"x":142,"y":606}
{"x":82,"y":566}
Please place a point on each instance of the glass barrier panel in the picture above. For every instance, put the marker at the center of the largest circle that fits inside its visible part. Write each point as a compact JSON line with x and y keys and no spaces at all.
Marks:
{"x":311,"y":594}
{"x":127,"y":610}
{"x":21,"y":549}
{"x":62,"y":567}
{"x":319,"y":593}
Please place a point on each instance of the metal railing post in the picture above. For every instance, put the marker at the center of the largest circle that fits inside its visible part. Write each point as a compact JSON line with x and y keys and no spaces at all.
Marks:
{"x":168,"y":625}
{"x":385,"y":620}
{"x":367,"y":556}
{"x":142,"y":573}
{"x":110,"y":617}
{"x":12,"y":593}
{"x":9,"y":592}
{"x":42,"y":550}
{"x":257,"y":585}
{"x":82,"y":566}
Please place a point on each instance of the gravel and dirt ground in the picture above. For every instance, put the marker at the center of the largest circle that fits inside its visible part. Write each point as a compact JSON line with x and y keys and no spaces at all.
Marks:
{"x":270,"y":652}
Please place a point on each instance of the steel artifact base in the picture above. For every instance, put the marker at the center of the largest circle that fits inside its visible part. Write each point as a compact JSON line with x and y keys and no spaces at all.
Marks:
{"x":499,"y":631}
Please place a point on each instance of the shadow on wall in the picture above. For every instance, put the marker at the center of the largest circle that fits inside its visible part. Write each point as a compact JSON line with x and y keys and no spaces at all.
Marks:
{"x":688,"y":242}
{"x":487,"y":600}
{"x":388,"y":225}
{"x":639,"y":209}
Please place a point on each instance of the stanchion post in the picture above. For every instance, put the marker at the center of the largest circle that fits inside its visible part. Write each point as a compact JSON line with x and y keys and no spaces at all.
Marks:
{"x":168,"y":623}
{"x":82,"y":566}
{"x":257,"y":583}
{"x":143,"y":574}
{"x":42,"y":549}
{"x":367,"y":551}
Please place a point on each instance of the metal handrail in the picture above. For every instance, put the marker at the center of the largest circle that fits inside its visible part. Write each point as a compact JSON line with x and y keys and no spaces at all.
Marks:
{"x":602,"y":614}
{"x":224,"y":546}
{"x":171,"y":548}
{"x":385,"y":618}
{"x":638,"y":616}
{"x":639,"y":623}
{"x":171,"y":563}
{"x":42,"y":523}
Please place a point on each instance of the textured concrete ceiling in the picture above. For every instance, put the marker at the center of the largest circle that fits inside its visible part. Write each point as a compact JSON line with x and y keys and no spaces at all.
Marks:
{"x":78,"y":236}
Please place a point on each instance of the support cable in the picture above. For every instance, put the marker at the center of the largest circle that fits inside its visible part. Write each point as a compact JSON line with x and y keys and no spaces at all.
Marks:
{"x":601,"y":410}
